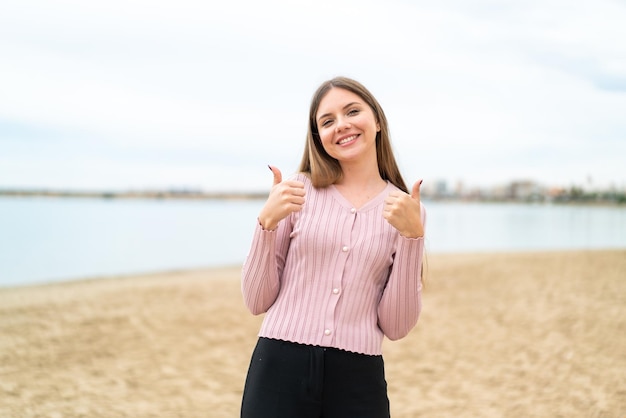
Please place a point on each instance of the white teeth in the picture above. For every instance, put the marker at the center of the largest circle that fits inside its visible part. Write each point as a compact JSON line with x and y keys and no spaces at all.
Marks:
{"x":348,"y":139}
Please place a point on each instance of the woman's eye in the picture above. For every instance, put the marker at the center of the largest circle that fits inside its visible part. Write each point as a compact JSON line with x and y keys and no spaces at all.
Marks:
{"x":353,"y":112}
{"x":327,"y":122}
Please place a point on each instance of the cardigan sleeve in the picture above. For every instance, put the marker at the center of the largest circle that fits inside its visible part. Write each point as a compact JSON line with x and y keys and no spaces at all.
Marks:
{"x":401,"y":302}
{"x":263,"y":267}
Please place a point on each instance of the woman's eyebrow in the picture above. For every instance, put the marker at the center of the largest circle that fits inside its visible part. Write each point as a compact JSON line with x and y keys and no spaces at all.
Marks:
{"x":344,"y":108}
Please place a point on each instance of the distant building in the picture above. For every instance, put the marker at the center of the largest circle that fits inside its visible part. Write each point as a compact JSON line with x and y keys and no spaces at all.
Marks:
{"x":525,"y":190}
{"x":441,"y":188}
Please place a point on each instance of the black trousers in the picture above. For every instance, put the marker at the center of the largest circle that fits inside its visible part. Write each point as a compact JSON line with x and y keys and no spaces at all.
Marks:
{"x":289,"y":380}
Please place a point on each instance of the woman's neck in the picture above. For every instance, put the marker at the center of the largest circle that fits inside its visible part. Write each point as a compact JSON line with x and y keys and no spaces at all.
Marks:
{"x":359,"y":174}
{"x":360,"y":183}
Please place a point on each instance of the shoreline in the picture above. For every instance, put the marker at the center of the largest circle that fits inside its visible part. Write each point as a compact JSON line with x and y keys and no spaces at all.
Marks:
{"x":501,"y":334}
{"x":618,"y":201}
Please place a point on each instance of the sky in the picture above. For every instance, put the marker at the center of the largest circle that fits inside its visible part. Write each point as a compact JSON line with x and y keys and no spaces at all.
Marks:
{"x":200,"y":94}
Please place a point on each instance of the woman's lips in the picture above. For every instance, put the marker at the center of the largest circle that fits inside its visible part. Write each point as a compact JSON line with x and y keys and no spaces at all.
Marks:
{"x":347,"y":139}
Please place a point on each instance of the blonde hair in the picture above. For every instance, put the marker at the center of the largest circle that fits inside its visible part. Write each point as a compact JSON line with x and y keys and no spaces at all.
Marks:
{"x":323,"y":169}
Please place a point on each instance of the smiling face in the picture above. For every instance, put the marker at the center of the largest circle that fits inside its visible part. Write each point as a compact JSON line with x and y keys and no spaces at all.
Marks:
{"x":347,"y":126}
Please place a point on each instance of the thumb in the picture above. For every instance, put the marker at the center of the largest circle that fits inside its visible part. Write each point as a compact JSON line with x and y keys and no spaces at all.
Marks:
{"x":278,"y":176}
{"x":415,"y":193}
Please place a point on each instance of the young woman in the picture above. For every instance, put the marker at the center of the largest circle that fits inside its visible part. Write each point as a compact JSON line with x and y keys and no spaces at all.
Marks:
{"x":335,"y":265}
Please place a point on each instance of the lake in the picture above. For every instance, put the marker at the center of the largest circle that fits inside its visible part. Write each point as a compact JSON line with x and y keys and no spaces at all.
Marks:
{"x":52,"y":239}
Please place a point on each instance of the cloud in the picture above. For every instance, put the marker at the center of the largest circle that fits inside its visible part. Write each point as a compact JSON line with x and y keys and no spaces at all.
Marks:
{"x":178,"y":91}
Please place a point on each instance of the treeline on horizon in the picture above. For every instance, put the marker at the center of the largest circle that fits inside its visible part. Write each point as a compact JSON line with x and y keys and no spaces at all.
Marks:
{"x":571,"y":195}
{"x":134,"y":194}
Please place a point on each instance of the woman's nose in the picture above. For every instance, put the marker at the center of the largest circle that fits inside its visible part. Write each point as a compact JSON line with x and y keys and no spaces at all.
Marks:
{"x":342,"y":124}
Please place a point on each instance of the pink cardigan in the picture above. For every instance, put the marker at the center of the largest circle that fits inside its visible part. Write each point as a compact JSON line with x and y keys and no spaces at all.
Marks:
{"x":335,"y":276}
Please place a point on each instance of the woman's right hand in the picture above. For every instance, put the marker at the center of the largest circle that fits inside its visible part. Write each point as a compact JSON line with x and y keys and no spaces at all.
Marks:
{"x":285,"y":197}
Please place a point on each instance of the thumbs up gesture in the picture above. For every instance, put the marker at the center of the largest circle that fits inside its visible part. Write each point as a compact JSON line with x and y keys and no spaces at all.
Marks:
{"x":285,"y":197}
{"x":403,"y":212}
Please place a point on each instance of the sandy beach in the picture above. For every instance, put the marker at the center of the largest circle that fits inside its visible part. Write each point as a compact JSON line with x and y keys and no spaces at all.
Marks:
{"x":501,"y":335}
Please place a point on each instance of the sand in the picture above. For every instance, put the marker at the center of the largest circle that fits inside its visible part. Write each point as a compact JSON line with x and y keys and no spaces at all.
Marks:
{"x":501,"y":335}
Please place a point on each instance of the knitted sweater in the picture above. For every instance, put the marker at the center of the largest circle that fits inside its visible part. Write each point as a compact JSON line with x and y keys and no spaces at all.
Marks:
{"x":333,"y":275}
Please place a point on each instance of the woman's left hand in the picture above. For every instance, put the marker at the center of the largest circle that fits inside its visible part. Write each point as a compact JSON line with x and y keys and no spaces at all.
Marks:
{"x":403,"y":212}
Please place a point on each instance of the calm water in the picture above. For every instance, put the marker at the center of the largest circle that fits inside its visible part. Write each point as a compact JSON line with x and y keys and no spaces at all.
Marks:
{"x":44,"y":240}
